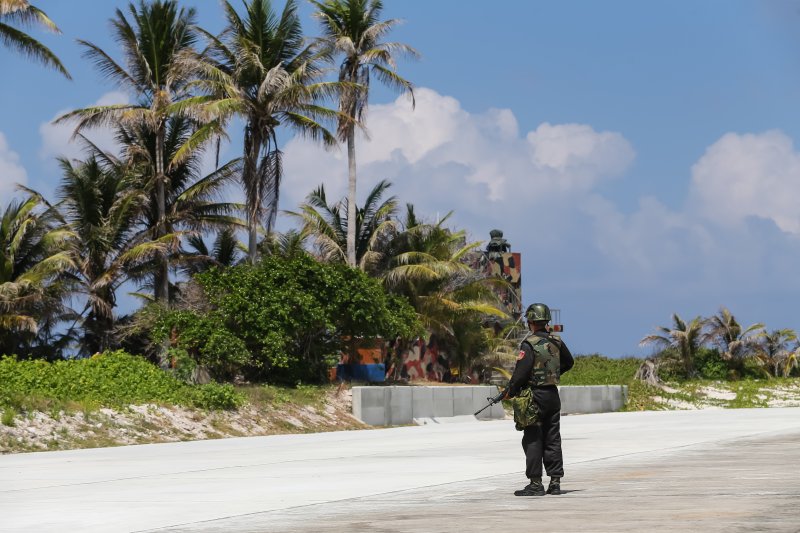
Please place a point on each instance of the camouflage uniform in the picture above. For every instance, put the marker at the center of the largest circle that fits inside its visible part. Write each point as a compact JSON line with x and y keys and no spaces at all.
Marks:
{"x":542,"y":360}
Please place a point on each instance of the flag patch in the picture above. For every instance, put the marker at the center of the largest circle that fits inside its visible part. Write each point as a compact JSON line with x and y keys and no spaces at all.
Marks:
{"x":521,"y":355}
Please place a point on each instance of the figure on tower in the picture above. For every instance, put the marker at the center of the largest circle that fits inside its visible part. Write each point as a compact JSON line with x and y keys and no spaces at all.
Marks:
{"x":497,"y":245}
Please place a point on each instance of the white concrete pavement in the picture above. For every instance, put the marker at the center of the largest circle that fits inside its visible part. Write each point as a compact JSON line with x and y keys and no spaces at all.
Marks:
{"x":199,"y":485}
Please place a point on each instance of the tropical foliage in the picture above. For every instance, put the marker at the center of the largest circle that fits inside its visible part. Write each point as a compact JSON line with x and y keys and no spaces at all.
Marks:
{"x":328,"y":227}
{"x":718,"y":347}
{"x":284,"y":319}
{"x":113,"y":379}
{"x":22,"y":13}
{"x":353,"y":30}
{"x":260,"y":70}
{"x":155,"y":38}
{"x":33,"y":260}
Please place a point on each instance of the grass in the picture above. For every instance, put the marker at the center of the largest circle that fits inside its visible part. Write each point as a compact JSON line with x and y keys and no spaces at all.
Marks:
{"x":7,"y":419}
{"x":273,"y":395}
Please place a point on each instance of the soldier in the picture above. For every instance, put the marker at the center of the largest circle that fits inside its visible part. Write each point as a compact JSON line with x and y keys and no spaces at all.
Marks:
{"x":542,"y":359}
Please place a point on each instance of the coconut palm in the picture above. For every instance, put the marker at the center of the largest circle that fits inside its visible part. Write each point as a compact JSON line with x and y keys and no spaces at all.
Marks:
{"x":353,"y":29}
{"x":325,"y":224}
{"x":192,"y":202}
{"x":426,"y":264}
{"x":791,"y":361}
{"x":262,"y":72}
{"x":289,"y":244}
{"x":775,"y":349}
{"x":100,"y":206}
{"x":725,"y":332}
{"x":21,"y":12}
{"x":33,"y":257}
{"x":224,"y":252}
{"x":155,"y":38}
{"x":683,"y":337}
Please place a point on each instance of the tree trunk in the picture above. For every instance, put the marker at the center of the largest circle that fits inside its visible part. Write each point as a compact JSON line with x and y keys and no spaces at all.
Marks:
{"x":351,"y":196}
{"x":648,"y":372}
{"x":162,"y":284}
{"x":252,"y":190}
{"x":252,"y":240}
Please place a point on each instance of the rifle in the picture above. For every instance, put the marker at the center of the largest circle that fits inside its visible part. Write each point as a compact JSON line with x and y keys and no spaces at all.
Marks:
{"x":492,"y":401}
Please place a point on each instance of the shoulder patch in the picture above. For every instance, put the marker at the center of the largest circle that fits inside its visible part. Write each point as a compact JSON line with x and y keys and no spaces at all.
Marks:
{"x":521,"y":355}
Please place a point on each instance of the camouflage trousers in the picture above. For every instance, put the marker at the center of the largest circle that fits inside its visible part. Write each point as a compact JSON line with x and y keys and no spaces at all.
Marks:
{"x":542,"y":442}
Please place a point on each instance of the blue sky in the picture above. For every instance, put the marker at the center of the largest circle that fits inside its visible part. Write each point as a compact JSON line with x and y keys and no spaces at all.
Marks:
{"x":640,"y":155}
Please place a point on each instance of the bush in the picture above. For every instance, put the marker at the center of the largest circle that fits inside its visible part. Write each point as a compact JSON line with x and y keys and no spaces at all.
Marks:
{"x":710,"y":364}
{"x":284,"y":319}
{"x":206,"y":340}
{"x":216,"y":396}
{"x":113,"y":379}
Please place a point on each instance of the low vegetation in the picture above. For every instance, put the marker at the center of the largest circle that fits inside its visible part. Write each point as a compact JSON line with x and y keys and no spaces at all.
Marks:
{"x":112,"y":379}
{"x":710,"y":389}
{"x":117,"y":399}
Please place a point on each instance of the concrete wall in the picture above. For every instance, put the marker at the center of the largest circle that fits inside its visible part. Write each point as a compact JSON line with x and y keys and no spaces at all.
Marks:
{"x":592,"y":398}
{"x":399,"y":405}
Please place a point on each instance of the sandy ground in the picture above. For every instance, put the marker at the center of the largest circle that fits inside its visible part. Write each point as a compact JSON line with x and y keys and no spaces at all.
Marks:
{"x":140,"y":424}
{"x":724,"y":395}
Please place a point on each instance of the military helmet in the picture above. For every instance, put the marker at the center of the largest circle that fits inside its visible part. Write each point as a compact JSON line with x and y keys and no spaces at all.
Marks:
{"x":537,"y":313}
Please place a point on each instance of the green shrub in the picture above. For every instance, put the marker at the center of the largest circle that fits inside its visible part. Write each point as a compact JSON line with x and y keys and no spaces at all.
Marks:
{"x":205,"y":340}
{"x":710,"y":364}
{"x":181,"y":364}
{"x":217,"y":396}
{"x":599,"y":370}
{"x":9,"y":413}
{"x":113,"y":379}
{"x":284,"y":319}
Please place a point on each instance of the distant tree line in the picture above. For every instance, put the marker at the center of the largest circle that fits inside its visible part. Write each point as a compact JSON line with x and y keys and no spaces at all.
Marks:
{"x":718,"y":347}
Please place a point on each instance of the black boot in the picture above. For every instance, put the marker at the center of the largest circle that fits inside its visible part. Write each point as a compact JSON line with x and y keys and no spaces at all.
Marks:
{"x":555,"y":486}
{"x":535,"y":488}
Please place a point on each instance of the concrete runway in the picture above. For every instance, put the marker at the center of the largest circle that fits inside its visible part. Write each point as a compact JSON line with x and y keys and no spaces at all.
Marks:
{"x":713,"y":470}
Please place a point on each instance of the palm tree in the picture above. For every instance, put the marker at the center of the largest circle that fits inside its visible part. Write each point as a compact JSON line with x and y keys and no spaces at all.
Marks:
{"x":353,"y":29}
{"x":100,"y":207}
{"x":727,"y":334}
{"x":791,"y":361}
{"x":774,"y":349}
{"x":262,"y":72}
{"x":683,"y":337}
{"x":155,"y":43}
{"x":426,"y":264}
{"x":224,"y":252}
{"x":289,"y":244}
{"x":22,"y":12}
{"x":33,"y":257}
{"x":325,"y":224}
{"x":191,"y":202}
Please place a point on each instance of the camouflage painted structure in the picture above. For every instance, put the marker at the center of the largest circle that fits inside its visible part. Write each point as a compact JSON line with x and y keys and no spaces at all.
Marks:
{"x":498,"y":261}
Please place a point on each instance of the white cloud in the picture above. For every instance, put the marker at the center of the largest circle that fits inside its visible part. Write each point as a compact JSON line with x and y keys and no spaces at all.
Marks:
{"x":578,"y":154}
{"x":477,"y":164}
{"x":11,"y":171}
{"x":57,"y":139}
{"x":748,"y":175}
